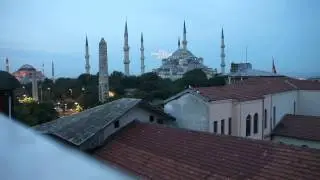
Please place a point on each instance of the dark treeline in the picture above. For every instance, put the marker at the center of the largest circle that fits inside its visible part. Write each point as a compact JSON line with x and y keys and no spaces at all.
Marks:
{"x":84,"y":90}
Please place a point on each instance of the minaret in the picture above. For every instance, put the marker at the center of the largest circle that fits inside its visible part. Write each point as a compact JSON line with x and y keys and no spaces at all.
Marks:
{"x":126,"y":60}
{"x":7,"y":65}
{"x":103,"y":71}
{"x":42,"y":68}
{"x":142,"y":55}
{"x":178,"y":42}
{"x":87,"y":66}
{"x":184,"y":41}
{"x":52,"y":71}
{"x":34,"y":86}
{"x":222,"y":55}
{"x":273,"y":67}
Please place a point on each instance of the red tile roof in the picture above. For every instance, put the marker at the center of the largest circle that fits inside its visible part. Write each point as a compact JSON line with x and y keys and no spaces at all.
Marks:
{"x":299,"y":126}
{"x":255,"y":88}
{"x":157,"y":152}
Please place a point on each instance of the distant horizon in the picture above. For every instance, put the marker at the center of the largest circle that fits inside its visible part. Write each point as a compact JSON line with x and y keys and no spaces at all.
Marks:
{"x":44,"y":31}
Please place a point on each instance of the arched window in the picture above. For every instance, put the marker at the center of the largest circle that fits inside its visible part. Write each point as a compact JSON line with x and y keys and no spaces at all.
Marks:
{"x":255,"y":123}
{"x":222,"y":126}
{"x":265,"y":118}
{"x":248,"y":125}
{"x":274,"y":116}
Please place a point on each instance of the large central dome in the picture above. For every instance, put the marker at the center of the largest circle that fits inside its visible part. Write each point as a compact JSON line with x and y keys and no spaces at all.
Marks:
{"x":26,"y":67}
{"x":182,"y":53}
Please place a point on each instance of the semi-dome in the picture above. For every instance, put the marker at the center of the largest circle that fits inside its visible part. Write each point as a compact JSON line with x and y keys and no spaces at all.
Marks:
{"x":27,"y":67}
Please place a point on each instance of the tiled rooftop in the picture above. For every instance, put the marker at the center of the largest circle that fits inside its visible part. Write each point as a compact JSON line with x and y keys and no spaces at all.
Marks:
{"x":255,"y":88}
{"x":299,"y":126}
{"x":157,"y":152}
{"x":79,"y":127}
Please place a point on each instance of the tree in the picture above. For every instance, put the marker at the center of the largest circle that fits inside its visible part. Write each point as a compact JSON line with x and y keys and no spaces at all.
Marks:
{"x":33,"y":113}
{"x":194,"y":77}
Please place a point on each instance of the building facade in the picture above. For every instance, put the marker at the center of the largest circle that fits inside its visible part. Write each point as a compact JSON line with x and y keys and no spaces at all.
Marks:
{"x":251,"y":108}
{"x":24,"y":74}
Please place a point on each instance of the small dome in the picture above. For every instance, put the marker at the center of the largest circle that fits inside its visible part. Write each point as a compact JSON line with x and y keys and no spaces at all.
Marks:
{"x":27,"y":67}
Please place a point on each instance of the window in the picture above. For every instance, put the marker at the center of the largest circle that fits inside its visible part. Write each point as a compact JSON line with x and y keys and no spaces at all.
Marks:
{"x":151,"y":118}
{"x":116,"y":124}
{"x":160,"y":121}
{"x":229,"y":126}
{"x":304,"y":146}
{"x":222,"y":126}
{"x":265,"y":118}
{"x":215,"y":126}
{"x":294,"y":107}
{"x":255,"y":123}
{"x":248,"y":125}
{"x":274,"y":116}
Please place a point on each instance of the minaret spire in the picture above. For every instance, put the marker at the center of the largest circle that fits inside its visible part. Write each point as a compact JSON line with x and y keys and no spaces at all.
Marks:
{"x":87,"y":66}
{"x":7,"y":65}
{"x":184,"y":41}
{"x":103,"y":71}
{"x":126,"y":60}
{"x":52,"y":71}
{"x":222,"y":55}
{"x":142,"y":55}
{"x":273,"y":67}
{"x":179,"y":42}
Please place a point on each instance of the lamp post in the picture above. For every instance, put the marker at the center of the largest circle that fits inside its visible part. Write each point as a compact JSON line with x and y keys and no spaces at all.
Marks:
{"x":49,"y":92}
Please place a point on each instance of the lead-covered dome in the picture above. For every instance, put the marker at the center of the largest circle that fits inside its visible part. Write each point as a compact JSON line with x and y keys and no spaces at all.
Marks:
{"x":27,"y":67}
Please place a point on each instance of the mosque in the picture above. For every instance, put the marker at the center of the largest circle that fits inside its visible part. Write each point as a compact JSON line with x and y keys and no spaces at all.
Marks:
{"x":182,"y":61}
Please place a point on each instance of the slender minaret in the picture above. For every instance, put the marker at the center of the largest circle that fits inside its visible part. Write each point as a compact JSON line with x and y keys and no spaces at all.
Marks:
{"x":42,"y":68}
{"x":87,"y":66}
{"x":222,"y":55}
{"x":184,"y":41}
{"x":179,"y":43}
{"x":142,"y":55}
{"x":34,"y":86}
{"x":126,"y":60}
{"x":103,"y":71}
{"x":52,"y":71}
{"x":273,"y":67}
{"x":7,"y":65}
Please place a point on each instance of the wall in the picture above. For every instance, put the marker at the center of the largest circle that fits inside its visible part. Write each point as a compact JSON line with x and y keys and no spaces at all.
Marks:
{"x":309,"y":103}
{"x":296,"y":142}
{"x":250,"y":108}
{"x":135,"y":113}
{"x":284,"y":103}
{"x":219,"y":110}
{"x":190,"y":112}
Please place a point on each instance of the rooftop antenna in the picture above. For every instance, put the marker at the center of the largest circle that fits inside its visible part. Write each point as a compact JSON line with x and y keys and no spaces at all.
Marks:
{"x":246,"y":54}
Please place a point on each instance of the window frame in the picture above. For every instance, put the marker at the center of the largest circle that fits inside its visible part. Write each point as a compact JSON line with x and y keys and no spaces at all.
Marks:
{"x":215,"y":126}
{"x":222,"y":126}
{"x":248,"y":125}
{"x":255,"y":123}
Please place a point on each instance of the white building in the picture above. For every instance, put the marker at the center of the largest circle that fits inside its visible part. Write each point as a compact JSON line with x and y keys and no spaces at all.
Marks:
{"x":249,"y":108}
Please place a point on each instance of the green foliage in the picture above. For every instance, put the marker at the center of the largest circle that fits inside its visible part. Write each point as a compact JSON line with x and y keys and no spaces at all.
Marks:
{"x":84,"y":89}
{"x":33,"y":113}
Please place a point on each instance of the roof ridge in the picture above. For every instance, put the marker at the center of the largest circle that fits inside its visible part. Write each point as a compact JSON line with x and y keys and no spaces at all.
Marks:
{"x":291,"y":84}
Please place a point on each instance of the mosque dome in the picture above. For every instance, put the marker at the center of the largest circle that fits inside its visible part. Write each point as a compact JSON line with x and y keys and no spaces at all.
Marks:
{"x":182,"y":53}
{"x":27,"y":67}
